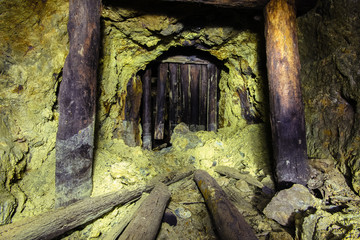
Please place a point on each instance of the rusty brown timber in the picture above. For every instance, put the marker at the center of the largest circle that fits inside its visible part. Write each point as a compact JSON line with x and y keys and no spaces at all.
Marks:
{"x":77,"y":98}
{"x":229,"y":222}
{"x":303,"y":5}
{"x":147,"y":142}
{"x":286,"y":106}
{"x":160,"y":101}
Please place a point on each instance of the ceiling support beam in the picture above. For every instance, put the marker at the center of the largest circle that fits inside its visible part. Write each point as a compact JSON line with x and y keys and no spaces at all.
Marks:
{"x":77,"y":98}
{"x":302,"y":5}
{"x":286,"y":105}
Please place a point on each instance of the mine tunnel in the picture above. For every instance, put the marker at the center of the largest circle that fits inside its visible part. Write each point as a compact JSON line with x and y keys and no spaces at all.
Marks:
{"x":180,"y":86}
{"x":179,"y":119}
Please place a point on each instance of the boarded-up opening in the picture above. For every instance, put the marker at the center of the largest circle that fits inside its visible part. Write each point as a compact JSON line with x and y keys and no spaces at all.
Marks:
{"x":178,"y":89}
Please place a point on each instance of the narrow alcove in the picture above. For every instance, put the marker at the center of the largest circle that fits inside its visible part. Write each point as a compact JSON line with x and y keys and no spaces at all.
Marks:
{"x":180,"y":86}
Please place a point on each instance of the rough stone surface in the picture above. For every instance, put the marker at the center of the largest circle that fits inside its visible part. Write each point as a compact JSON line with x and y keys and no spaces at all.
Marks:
{"x":33,"y":47}
{"x":287,"y":203}
{"x":330,"y":81}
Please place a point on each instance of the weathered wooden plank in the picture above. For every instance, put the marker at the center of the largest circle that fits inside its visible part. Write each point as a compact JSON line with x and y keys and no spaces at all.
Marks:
{"x":56,"y":222}
{"x":184,"y":75}
{"x":147,"y":110}
{"x":233,"y":173}
{"x":212,"y":97}
{"x":303,"y":5}
{"x":147,"y":220}
{"x":173,"y":96}
{"x":194,"y":98}
{"x":118,"y":227}
{"x":229,"y":223}
{"x":203,"y":85}
{"x":246,"y":4}
{"x":286,"y":106}
{"x":160,"y":101}
{"x":77,"y":103}
{"x":131,"y":131}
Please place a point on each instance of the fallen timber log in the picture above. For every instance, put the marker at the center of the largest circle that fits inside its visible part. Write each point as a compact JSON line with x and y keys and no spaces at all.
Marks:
{"x":229,"y":223}
{"x":121,"y":224}
{"x":233,"y":173}
{"x":147,"y":220}
{"x":77,"y":100}
{"x":56,"y":222}
{"x":286,"y":106}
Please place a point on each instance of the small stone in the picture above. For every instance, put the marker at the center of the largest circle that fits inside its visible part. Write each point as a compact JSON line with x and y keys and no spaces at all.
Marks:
{"x":182,"y":213}
{"x":280,"y":236}
{"x":286,"y":203}
{"x":243,"y":186}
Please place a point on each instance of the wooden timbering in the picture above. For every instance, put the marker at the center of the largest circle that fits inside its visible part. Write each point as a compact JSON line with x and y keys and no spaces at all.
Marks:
{"x":286,"y":106}
{"x":203,"y":96}
{"x":131,"y":129}
{"x":195,"y":73}
{"x":186,"y":91}
{"x":184,"y":75}
{"x":77,"y":100}
{"x":146,"y":113}
{"x":212,"y":97}
{"x":160,"y":101}
{"x":228,"y":221}
{"x":173,"y":96}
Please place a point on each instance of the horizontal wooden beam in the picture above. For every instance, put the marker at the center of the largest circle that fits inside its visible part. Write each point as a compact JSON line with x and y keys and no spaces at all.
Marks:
{"x":247,"y":4}
{"x":256,"y":4}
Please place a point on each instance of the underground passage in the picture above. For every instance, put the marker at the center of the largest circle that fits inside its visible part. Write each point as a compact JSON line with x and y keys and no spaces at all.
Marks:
{"x":179,"y":119}
{"x":179,"y":89}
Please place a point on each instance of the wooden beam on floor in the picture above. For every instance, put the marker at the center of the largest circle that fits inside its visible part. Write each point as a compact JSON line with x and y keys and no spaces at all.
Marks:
{"x":77,"y":100}
{"x":55,"y":222}
{"x":286,"y":105}
{"x":146,"y":221}
{"x":229,"y":223}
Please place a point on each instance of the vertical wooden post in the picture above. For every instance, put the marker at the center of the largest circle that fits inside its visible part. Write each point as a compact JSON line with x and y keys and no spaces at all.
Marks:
{"x":160,"y":101}
{"x":77,"y":99}
{"x":212,"y":98}
{"x":173,"y":95}
{"x":147,"y":112}
{"x":184,"y":70}
{"x":131,"y":133}
{"x":194,"y":90}
{"x":203,"y":85}
{"x":286,"y":106}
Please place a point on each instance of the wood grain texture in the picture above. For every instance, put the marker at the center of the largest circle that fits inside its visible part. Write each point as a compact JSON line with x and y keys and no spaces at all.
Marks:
{"x":160,"y":101}
{"x":147,"y":110}
{"x":229,"y":223}
{"x":147,"y":220}
{"x":56,"y":222}
{"x":286,"y":106}
{"x":77,"y":104}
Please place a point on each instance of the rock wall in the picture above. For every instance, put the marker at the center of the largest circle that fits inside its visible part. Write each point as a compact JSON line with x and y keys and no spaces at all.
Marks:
{"x":34,"y":44}
{"x":133,"y":39}
{"x":329,"y":45}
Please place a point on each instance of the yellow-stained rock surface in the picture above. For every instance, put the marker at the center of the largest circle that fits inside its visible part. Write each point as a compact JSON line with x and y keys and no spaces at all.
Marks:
{"x":33,"y":48}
